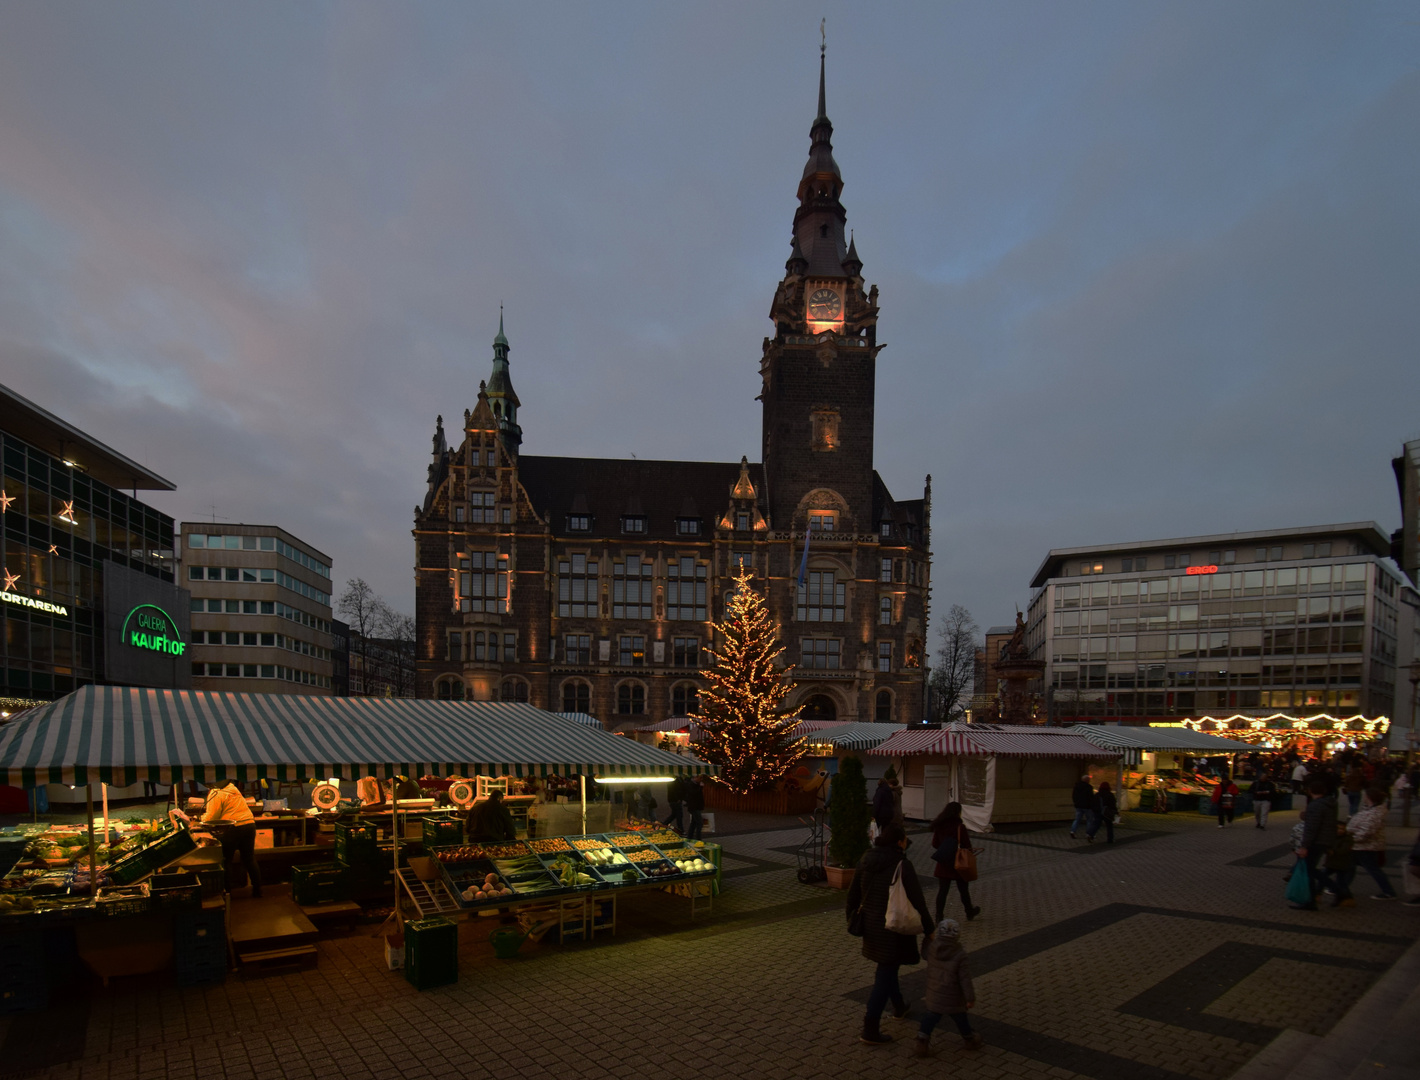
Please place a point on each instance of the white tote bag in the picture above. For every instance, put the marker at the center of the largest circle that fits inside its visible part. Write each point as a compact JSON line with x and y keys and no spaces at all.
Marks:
{"x":902,"y":917}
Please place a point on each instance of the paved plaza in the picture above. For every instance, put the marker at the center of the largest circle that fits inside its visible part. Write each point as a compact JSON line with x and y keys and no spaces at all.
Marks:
{"x":1170,"y":954}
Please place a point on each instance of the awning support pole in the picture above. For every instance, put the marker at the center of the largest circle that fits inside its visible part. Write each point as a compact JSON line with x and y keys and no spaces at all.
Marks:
{"x":93,"y":859}
{"x":583,"y":778}
{"x":103,"y":788}
{"x":394,"y":835}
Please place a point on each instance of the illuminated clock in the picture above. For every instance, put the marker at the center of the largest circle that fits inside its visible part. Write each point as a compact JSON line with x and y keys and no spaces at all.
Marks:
{"x":825,"y":305}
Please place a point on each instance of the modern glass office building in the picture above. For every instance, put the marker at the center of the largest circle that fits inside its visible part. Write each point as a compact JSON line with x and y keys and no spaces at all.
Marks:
{"x":81,"y":556}
{"x":1297,"y":622}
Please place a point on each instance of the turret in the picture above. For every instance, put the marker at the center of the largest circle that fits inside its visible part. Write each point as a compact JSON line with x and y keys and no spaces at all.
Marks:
{"x":501,"y":396}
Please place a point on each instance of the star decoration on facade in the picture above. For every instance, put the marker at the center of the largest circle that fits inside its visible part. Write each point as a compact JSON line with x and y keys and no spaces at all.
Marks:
{"x":10,"y":580}
{"x":67,"y":514}
{"x":5,"y":501}
{"x":53,"y":549}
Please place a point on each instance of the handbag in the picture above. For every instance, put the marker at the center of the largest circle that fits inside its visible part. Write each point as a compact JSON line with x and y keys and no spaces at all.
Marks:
{"x":1299,"y":886}
{"x":855,"y":922}
{"x":965,"y":865}
{"x":902,"y":917}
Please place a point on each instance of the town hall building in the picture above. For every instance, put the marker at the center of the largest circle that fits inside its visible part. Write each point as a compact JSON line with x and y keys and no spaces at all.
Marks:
{"x":591,"y":585}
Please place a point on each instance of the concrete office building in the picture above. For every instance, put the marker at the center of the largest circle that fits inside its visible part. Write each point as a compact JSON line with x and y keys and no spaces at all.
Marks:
{"x":88,"y":594}
{"x":261,"y":618}
{"x":1299,"y":622}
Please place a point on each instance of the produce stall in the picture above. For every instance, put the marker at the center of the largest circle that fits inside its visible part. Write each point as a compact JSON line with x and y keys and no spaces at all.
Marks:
{"x":998,"y":772}
{"x":1152,"y":768}
{"x":120,"y":735}
{"x":1321,"y":735}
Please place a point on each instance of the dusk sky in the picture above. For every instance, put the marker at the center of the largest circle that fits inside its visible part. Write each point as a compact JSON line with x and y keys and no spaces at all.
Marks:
{"x":1146,"y":269}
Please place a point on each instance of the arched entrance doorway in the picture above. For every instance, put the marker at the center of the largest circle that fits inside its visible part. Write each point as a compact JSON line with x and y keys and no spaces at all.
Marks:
{"x":821,"y":708}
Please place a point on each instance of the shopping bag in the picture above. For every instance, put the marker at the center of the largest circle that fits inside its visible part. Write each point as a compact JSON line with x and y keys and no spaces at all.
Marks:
{"x":965,"y":865}
{"x":1299,"y":888}
{"x":902,"y":917}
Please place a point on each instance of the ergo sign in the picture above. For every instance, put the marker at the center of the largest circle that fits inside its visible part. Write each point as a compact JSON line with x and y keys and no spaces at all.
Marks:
{"x":1202,"y":570}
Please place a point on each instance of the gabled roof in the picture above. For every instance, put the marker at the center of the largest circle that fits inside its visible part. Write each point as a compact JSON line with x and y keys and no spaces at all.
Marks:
{"x":607,"y":488}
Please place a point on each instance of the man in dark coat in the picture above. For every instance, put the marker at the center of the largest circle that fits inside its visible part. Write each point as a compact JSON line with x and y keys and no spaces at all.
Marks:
{"x":694,"y":795}
{"x":1082,"y":796}
{"x":1318,"y":835}
{"x":872,"y":883}
{"x":883,"y":803}
{"x":490,"y":822}
{"x":675,"y":795}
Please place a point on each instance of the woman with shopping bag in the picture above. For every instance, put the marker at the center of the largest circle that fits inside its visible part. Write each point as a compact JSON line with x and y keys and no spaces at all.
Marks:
{"x":887,"y":910}
{"x":953,"y":858}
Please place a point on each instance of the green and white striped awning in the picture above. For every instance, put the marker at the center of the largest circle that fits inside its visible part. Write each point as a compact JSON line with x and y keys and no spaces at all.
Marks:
{"x":1132,"y":741}
{"x":121,"y":735}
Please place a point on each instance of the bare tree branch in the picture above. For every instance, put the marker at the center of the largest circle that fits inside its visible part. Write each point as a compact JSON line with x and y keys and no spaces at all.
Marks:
{"x":954,"y":673}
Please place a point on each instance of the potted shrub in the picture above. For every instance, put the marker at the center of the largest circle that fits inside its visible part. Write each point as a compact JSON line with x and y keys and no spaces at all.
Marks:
{"x":848,"y":819}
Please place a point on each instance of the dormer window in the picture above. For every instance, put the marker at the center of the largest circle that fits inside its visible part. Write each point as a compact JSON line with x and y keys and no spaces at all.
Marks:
{"x":633,"y":523}
{"x":579,"y":522}
{"x":687,"y":526}
{"x":822,"y":521}
{"x":885,"y":529}
{"x":742,"y":521}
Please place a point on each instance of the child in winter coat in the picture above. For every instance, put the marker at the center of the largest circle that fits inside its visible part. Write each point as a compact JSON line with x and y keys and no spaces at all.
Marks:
{"x":949,"y":988}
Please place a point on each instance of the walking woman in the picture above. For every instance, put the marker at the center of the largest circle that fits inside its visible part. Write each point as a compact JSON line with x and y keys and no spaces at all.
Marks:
{"x":949,"y":834}
{"x":867,"y":905}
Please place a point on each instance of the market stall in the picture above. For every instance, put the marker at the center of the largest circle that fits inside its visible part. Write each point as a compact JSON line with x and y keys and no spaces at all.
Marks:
{"x":1154,"y":768}
{"x":998,"y":773}
{"x":119,"y":735}
{"x":828,"y":744}
{"x":1320,"y":735}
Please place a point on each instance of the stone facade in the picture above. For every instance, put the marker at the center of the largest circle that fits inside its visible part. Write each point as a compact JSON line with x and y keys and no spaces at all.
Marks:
{"x":591,"y":585}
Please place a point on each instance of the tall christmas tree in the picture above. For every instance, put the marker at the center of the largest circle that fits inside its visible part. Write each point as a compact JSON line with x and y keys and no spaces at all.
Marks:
{"x":744,"y":724}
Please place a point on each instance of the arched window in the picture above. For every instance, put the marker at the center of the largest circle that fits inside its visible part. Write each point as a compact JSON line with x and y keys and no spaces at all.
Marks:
{"x":884,"y":709}
{"x":685,"y":699}
{"x":516,"y":690}
{"x":449,"y":690}
{"x":631,"y":699}
{"x":819,"y":707}
{"x":576,"y":696}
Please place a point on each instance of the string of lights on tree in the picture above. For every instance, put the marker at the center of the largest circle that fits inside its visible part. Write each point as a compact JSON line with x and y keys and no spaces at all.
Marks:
{"x":745,"y":727}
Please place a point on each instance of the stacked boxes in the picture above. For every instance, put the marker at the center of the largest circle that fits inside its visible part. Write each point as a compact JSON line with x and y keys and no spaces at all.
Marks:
{"x":431,"y":953}
{"x":200,"y":946}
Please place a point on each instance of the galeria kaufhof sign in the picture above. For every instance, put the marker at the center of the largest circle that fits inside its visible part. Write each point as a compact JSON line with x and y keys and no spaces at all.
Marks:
{"x":150,"y":627}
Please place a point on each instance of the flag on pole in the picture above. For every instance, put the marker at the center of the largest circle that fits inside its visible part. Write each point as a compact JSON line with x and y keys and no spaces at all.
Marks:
{"x":804,"y":562}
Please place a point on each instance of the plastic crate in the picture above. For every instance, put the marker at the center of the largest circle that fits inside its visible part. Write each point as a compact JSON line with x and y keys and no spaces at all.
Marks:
{"x":169,"y":848}
{"x":207,"y":972}
{"x":320,"y":883}
{"x":178,"y":898}
{"x":123,"y":900}
{"x":213,"y":881}
{"x":442,"y":832}
{"x":431,"y":953}
{"x":356,"y":844}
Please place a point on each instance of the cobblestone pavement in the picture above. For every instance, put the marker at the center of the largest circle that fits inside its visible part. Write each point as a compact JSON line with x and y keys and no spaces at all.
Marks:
{"x":1169,"y":954}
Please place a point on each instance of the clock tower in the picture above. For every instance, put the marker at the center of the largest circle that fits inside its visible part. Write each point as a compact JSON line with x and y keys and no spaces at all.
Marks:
{"x":818,"y":368}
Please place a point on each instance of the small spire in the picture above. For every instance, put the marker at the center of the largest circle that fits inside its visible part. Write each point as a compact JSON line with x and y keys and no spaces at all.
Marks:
{"x":822,"y":51}
{"x":852,"y":250}
{"x":501,"y":339}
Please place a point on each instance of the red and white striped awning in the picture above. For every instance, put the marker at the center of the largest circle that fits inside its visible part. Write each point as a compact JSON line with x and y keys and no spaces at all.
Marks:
{"x":992,"y":740}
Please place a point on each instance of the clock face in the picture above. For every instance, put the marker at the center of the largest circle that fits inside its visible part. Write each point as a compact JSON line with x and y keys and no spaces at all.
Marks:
{"x":825,"y":305}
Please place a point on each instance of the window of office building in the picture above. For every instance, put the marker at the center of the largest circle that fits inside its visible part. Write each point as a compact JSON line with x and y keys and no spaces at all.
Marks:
{"x":685,"y":652}
{"x":483,"y":582}
{"x":576,"y":696}
{"x":577,"y":649}
{"x":632,"y":651}
{"x":819,"y":653}
{"x":631,"y":699}
{"x":631,"y":589}
{"x":685,"y":699}
{"x":686,"y":584}
{"x":821,"y":597}
{"x":577,"y":587}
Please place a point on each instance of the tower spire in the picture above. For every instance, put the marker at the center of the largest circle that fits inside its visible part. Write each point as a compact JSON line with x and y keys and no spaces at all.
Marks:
{"x":822,"y":51}
{"x":501,"y":395}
